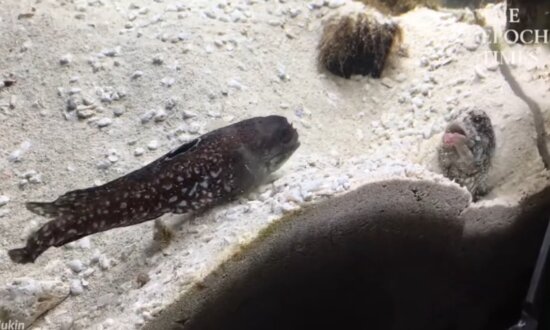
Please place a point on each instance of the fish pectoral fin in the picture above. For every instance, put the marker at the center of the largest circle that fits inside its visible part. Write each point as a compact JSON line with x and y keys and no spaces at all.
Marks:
{"x":43,"y":209}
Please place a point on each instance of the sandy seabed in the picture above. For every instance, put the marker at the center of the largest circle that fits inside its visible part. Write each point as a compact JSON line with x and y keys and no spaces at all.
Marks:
{"x":104,"y":87}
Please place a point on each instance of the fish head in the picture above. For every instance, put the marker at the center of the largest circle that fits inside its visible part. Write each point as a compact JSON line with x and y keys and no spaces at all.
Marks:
{"x":470,"y":140}
{"x":274,"y":140}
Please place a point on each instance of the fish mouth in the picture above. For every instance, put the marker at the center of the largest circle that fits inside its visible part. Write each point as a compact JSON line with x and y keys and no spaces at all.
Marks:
{"x":293,"y":143}
{"x":454,"y":135}
{"x":455,"y":128}
{"x":289,"y":144}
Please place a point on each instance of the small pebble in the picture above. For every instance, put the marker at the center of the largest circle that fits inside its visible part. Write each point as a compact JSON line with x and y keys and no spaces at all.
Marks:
{"x":13,"y":101}
{"x":194,"y":128}
{"x":210,"y":14}
{"x":186,"y":114}
{"x":71,"y":104}
{"x":104,"y":164}
{"x":65,"y":59}
{"x":104,"y":262}
{"x":76,"y":287}
{"x":136,"y":74}
{"x":139,"y":151}
{"x":117,"y":112}
{"x":95,"y":257}
{"x":417,"y":102}
{"x":84,"y":243}
{"x":167,"y":81}
{"x":88,"y":272}
{"x":479,"y":73}
{"x":84,"y":113}
{"x":153,"y":145}
{"x":103,"y":122}
{"x":234,"y":83}
{"x":170,"y":104}
{"x":17,"y":155}
{"x":493,"y":66}
{"x":112,"y":158}
{"x":160,"y":115}
{"x":281,"y":73}
{"x":4,"y":200}
{"x":158,"y":60}
{"x":111,"y":52}
{"x":335,"y":3}
{"x":146,"y":117}
{"x":142,"y":279}
{"x":76,"y":265}
{"x":35,"y":178}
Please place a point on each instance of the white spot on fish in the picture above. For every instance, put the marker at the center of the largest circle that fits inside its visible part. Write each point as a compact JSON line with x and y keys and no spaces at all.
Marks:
{"x":215,"y":174}
{"x":167,"y":186}
{"x":123,"y":205}
{"x":173,"y":199}
{"x":193,"y":190}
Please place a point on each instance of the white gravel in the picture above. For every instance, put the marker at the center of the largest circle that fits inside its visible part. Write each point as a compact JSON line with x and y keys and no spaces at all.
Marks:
{"x":182,"y":69}
{"x":4,"y":200}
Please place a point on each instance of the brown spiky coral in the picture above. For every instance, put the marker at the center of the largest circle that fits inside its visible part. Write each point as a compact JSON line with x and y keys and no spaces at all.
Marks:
{"x":398,"y":7}
{"x":357,"y":44}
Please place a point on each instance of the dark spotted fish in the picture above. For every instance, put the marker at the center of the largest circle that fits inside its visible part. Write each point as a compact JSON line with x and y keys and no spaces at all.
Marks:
{"x":210,"y":170}
{"x":466,"y":151}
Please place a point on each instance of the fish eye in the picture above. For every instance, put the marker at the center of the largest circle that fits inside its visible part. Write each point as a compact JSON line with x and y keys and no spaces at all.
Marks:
{"x":477,"y":119}
{"x":284,"y":135}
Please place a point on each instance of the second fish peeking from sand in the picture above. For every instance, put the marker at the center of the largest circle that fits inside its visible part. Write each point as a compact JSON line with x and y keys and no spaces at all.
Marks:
{"x":212,"y":169}
{"x":466,"y":151}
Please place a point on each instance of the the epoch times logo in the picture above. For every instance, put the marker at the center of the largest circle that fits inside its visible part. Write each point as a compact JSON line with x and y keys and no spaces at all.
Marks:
{"x":511,"y":37}
{"x":12,"y":325}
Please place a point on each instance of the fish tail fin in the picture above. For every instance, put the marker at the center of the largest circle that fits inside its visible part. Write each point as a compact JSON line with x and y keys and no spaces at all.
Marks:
{"x":21,"y":256}
{"x":39,"y":241}
{"x":43,"y":209}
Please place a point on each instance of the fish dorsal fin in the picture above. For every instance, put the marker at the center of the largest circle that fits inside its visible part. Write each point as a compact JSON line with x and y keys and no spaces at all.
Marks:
{"x":156,"y":164}
{"x":187,"y":147}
